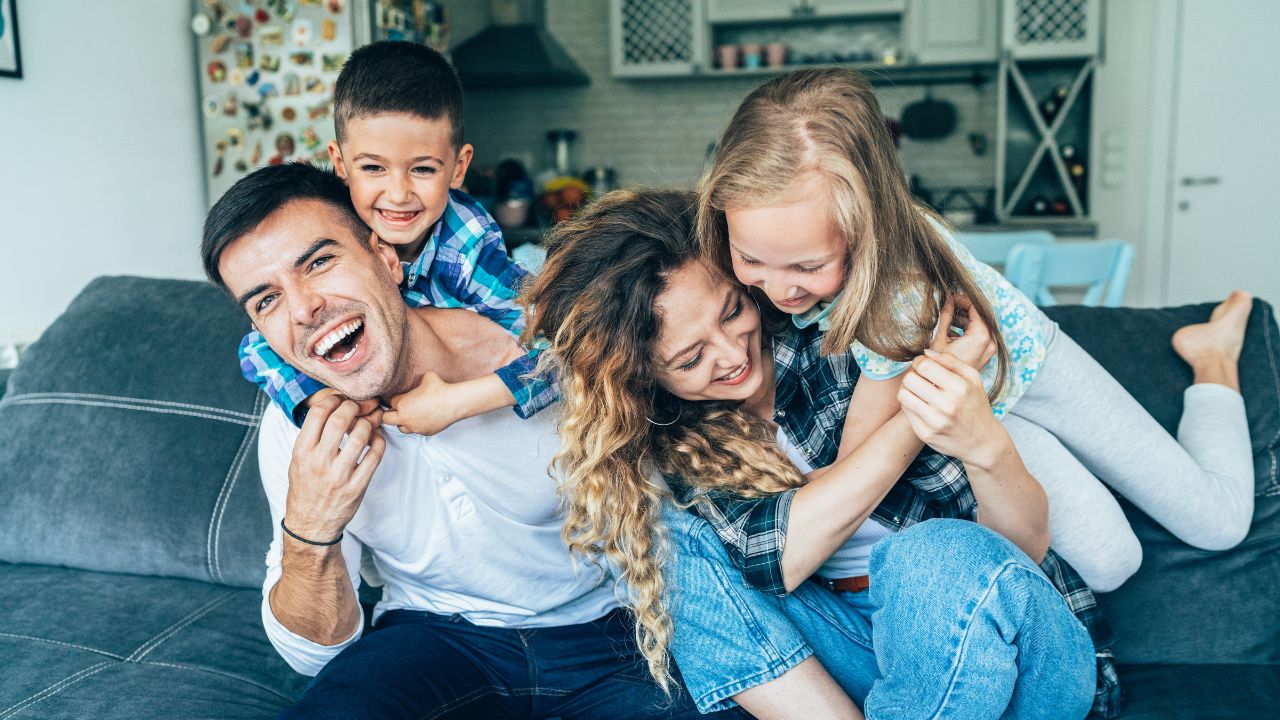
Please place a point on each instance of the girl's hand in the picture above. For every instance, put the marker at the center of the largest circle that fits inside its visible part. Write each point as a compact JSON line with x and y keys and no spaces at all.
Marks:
{"x":943,"y":400}
{"x":976,"y":346}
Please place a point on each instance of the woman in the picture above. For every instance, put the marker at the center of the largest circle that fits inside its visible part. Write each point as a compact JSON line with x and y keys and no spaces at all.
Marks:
{"x":664,"y":366}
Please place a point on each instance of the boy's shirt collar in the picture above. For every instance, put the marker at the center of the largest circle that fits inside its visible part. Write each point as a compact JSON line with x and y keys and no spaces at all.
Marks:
{"x":413,"y":270}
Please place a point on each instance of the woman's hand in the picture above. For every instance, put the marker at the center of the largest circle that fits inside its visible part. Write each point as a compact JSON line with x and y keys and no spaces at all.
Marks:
{"x":943,"y":399}
{"x":975,"y":346}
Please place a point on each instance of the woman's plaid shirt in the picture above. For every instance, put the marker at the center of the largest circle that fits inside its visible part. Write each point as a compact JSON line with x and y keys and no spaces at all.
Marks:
{"x":812,"y":399}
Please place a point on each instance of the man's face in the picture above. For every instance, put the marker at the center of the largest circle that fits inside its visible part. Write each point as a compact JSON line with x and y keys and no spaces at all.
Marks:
{"x":325,"y":299}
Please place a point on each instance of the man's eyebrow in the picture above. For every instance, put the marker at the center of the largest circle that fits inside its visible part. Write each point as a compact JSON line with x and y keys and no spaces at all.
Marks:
{"x":246,"y":295}
{"x":315,"y":247}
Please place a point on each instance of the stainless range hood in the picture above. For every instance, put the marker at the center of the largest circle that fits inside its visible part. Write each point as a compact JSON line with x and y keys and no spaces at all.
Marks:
{"x":511,"y":54}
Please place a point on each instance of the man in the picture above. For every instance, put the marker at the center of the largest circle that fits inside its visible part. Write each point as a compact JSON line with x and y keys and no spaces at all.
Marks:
{"x":484,"y":613}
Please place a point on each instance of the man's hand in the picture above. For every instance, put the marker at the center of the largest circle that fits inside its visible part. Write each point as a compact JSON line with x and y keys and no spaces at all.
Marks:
{"x":435,"y":404}
{"x":366,"y":406}
{"x":328,"y":475}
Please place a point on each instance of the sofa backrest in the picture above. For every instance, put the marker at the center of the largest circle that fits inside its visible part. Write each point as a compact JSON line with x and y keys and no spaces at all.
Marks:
{"x":1187,"y":605}
{"x":128,"y":438}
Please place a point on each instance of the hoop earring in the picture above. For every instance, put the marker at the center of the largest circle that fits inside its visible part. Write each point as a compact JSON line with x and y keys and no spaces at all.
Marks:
{"x":679,"y":412}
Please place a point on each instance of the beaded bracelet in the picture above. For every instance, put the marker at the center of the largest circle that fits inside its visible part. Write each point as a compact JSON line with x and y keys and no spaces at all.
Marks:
{"x":299,"y":538}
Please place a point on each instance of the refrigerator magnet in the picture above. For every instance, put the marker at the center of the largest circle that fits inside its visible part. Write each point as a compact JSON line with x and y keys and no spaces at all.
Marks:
{"x":288,"y":114}
{"x":244,"y":55}
{"x":237,"y":77}
{"x":263,"y":17}
{"x":244,"y":27}
{"x":309,"y":3}
{"x":217,"y":71}
{"x":251,"y":79}
{"x":303,"y":57}
{"x":231,"y":105}
{"x":267,"y":90}
{"x":314,"y":84}
{"x":241,"y":166}
{"x":302,"y":32}
{"x":310,"y":138}
{"x":271,"y":36}
{"x":201,"y":24}
{"x":284,"y":144}
{"x":319,"y":110}
{"x":292,"y":86}
{"x":212,"y":104}
{"x":219,"y":43}
{"x":235,"y":137}
{"x":335,"y":6}
{"x":257,"y":154}
{"x":269,"y":63}
{"x":215,"y":9}
{"x":329,"y":30}
{"x":332,"y":62}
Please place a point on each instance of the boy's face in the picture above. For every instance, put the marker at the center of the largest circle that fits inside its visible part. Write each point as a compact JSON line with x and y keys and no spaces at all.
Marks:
{"x":400,"y":168}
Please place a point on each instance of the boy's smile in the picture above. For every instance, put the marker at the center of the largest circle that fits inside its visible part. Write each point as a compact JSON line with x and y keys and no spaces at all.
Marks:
{"x":400,"y":168}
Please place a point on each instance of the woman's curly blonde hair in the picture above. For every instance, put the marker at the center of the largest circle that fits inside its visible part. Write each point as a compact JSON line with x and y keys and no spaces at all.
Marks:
{"x":595,"y":300}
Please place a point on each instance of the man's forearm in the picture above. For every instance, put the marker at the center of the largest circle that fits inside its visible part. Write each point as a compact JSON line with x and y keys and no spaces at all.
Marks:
{"x":314,"y":597}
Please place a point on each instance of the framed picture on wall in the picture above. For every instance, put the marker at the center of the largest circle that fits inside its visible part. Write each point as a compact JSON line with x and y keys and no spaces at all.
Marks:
{"x":10,"y":59}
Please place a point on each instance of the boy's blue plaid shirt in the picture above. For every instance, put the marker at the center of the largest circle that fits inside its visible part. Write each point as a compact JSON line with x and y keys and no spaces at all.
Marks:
{"x":810,"y":405}
{"x":463,"y":264}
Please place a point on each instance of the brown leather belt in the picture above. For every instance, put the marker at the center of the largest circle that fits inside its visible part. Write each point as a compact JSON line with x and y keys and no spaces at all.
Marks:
{"x":850,"y":584}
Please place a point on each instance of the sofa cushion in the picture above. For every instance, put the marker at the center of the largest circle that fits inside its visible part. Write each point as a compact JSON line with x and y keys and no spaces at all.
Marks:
{"x":1220,"y":692}
{"x":1189,"y":606}
{"x":81,"y":644}
{"x":128,"y":438}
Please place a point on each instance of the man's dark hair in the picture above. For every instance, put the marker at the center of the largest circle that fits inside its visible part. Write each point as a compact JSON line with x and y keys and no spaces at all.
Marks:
{"x":256,"y":196}
{"x":398,"y":77}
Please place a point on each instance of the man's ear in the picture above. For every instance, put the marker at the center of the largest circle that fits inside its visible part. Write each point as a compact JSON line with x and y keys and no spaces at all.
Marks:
{"x":335,"y":155}
{"x":385,"y":252}
{"x":465,"y":154}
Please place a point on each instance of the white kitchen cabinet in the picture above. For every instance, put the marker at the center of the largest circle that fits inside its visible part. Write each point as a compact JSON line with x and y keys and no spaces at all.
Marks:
{"x":657,"y":38}
{"x":720,"y":11}
{"x":937,"y":32}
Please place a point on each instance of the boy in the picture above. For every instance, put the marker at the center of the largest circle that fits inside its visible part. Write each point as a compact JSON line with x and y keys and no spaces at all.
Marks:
{"x":398,"y":121}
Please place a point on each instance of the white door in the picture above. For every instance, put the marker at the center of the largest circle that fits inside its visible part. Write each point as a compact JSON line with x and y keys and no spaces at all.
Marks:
{"x":1224,"y":192}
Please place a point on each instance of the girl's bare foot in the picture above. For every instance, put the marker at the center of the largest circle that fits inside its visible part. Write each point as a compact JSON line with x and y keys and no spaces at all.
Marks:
{"x":1212,"y":349}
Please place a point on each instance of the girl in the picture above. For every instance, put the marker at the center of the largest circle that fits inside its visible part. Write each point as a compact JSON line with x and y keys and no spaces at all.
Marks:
{"x":665,"y":366}
{"x":806,"y":202}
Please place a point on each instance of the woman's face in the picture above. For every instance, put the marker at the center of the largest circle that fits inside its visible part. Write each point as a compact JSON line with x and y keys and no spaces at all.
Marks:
{"x":709,"y":338}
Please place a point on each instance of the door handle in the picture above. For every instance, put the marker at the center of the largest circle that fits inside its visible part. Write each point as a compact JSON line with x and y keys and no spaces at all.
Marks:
{"x":1200,"y":181}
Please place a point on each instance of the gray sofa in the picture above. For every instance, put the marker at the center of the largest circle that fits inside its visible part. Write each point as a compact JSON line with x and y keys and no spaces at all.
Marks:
{"x":133,"y":525}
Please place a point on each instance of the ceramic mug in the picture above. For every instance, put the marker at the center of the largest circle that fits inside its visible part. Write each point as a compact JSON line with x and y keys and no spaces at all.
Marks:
{"x":775,"y":54}
{"x":751,"y":55}
{"x":727,"y":56}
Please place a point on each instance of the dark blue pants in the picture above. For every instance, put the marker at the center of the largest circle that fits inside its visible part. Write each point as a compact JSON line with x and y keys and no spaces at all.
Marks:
{"x":420,"y":666}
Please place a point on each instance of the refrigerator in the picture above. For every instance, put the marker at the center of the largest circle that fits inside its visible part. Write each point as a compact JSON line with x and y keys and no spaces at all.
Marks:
{"x":267,"y":70}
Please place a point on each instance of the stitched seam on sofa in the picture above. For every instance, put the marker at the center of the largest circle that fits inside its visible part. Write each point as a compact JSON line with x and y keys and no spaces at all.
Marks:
{"x":224,"y":495}
{"x":145,"y":401}
{"x":181,"y":625}
{"x":57,"y":687}
{"x":220,"y":673}
{"x":1275,"y":380}
{"x":22,"y":400}
{"x":85,"y":648}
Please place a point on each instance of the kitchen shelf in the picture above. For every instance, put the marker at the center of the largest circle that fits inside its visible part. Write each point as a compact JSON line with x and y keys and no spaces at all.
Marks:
{"x":877,"y":73}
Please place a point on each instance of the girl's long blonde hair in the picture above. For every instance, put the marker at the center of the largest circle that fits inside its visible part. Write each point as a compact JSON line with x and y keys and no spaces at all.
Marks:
{"x":594,"y":299}
{"x":828,"y":120}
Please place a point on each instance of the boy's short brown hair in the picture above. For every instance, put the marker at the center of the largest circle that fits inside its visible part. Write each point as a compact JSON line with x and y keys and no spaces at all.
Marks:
{"x":398,"y":77}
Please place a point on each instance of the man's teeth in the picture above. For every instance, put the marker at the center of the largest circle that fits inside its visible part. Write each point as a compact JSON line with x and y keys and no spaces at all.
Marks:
{"x":333,"y":338}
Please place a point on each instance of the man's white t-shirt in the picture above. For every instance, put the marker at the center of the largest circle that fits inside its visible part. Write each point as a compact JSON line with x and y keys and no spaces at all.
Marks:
{"x":465,"y":522}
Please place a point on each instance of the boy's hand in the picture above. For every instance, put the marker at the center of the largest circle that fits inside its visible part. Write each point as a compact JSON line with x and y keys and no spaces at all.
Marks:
{"x":429,"y":408}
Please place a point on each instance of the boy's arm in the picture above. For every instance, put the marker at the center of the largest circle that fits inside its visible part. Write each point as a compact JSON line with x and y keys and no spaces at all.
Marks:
{"x":286,"y":386}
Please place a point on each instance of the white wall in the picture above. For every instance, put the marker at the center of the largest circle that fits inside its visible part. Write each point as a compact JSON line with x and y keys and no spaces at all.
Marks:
{"x":99,"y":154}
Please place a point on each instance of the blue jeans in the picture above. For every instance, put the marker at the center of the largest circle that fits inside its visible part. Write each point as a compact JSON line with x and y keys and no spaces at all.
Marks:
{"x":958,"y":623}
{"x":418,"y":665}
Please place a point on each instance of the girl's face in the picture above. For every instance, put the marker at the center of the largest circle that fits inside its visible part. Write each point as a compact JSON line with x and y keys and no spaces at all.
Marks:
{"x":709,"y":338}
{"x":790,"y":248}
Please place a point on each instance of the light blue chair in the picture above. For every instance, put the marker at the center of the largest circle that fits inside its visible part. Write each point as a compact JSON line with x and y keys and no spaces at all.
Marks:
{"x":1101,"y":266}
{"x":993,"y":248}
